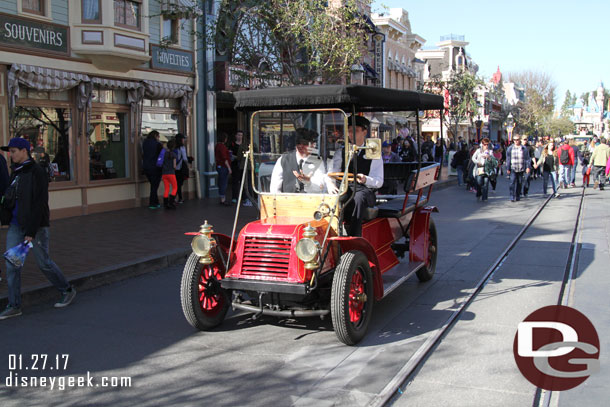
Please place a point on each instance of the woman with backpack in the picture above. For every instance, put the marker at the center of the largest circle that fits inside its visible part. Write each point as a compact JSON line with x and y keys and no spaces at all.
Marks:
{"x":566,"y":161}
{"x":550,"y":167}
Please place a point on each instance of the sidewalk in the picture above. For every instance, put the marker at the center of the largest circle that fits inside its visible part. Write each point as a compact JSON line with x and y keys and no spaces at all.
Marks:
{"x":97,"y":249}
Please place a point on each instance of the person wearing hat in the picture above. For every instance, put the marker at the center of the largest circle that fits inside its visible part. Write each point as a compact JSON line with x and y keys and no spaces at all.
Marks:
{"x":387,"y":155}
{"x":368,"y":178}
{"x":27,"y":215}
{"x":297,"y":171}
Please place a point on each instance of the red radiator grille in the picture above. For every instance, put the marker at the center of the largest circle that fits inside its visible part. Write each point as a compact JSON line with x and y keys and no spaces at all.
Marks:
{"x":266,"y":256}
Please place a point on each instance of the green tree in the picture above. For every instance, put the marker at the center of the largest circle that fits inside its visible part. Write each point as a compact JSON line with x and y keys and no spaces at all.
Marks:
{"x":568,"y":101}
{"x":536,"y":112}
{"x":560,"y":126}
{"x":291,"y":42}
{"x":461,"y":88}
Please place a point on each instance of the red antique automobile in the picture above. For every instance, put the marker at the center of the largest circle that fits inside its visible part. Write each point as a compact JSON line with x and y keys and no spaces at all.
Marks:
{"x":297,"y":260}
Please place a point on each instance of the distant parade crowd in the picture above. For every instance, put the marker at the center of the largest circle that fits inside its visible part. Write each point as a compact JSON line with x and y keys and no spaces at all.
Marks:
{"x":522,"y":159}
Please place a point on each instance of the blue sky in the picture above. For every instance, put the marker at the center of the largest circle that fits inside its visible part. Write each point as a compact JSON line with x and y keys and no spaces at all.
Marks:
{"x":570,"y":40}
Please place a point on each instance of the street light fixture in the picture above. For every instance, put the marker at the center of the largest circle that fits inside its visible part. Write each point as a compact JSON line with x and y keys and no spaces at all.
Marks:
{"x":357,"y":74}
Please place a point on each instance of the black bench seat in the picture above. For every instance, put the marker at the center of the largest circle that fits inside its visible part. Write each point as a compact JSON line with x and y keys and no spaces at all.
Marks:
{"x":393,"y":208}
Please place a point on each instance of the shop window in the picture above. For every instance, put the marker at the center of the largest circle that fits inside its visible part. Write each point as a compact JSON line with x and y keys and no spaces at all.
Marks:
{"x":171,"y":29}
{"x":166,"y":103}
{"x":91,"y":12}
{"x":116,"y":96}
{"x":127,"y":13}
{"x":108,"y":145}
{"x":48,"y":130}
{"x":167,"y":124}
{"x":33,"y":6}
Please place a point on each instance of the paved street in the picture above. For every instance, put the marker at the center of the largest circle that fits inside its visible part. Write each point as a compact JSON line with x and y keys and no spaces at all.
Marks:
{"x":136,"y":328}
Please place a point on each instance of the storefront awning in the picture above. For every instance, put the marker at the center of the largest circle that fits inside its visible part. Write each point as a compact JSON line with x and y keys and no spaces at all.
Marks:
{"x":115,"y":83}
{"x":166,"y":90}
{"x":42,"y":79}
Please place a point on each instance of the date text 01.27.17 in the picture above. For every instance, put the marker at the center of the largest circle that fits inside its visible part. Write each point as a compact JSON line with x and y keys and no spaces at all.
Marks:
{"x":38,"y":361}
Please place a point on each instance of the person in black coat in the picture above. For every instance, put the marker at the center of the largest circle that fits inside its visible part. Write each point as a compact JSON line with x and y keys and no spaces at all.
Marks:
{"x":25,"y":208}
{"x":150,"y":152}
{"x":3,"y":175}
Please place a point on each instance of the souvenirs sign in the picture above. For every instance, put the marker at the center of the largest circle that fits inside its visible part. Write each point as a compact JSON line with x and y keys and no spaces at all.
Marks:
{"x":25,"y":33}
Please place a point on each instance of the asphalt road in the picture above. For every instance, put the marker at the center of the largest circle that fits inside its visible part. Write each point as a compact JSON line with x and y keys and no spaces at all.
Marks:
{"x":136,"y":329}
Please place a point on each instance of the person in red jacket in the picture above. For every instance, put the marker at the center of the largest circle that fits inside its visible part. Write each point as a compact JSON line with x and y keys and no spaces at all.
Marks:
{"x":566,"y":161}
{"x":223,"y":166}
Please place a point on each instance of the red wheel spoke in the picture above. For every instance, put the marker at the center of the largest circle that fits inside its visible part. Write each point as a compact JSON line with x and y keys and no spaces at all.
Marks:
{"x":356,"y":304}
{"x":210,"y":301}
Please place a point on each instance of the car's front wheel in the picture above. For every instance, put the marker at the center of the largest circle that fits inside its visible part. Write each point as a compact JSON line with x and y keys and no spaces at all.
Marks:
{"x":204,"y":302}
{"x":351,"y":302}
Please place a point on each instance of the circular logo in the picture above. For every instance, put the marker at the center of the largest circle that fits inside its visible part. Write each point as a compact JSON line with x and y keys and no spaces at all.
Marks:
{"x":556,"y":348}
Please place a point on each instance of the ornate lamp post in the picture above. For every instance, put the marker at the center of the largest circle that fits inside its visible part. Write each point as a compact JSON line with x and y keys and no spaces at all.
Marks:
{"x":479,"y":125}
{"x":510,"y":125}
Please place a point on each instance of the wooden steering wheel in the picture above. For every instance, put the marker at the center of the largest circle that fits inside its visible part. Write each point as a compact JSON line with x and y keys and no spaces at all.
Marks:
{"x":339,"y":176}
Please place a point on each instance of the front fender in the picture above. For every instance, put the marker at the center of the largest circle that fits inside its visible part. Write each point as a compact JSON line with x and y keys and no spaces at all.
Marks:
{"x":418,"y":233}
{"x":347,"y":243}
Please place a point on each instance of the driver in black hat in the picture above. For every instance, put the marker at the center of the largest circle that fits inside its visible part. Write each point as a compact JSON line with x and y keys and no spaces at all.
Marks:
{"x":368,"y":178}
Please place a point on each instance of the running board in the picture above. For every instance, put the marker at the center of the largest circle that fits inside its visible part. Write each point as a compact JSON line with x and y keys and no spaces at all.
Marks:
{"x":398,"y":275}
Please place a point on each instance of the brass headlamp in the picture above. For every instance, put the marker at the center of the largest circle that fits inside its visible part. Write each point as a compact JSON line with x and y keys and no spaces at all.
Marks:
{"x":308,"y":248}
{"x":203,"y":244}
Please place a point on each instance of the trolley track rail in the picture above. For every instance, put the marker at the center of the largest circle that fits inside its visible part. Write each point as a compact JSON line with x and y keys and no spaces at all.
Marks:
{"x":394,"y":388}
{"x":542,"y":398}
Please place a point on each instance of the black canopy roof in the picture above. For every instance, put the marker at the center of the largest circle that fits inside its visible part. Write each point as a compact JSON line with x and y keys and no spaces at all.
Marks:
{"x":363,"y":98}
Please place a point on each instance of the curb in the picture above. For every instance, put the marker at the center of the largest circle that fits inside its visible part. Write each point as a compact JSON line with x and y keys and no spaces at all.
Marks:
{"x":87,"y":281}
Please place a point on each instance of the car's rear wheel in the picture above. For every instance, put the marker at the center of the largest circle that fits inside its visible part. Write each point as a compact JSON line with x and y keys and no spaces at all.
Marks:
{"x":427,"y":271}
{"x":204,"y":302}
{"x":351,"y":302}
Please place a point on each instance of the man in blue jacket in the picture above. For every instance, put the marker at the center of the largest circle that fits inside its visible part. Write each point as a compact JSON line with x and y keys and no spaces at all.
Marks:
{"x":27,"y":215}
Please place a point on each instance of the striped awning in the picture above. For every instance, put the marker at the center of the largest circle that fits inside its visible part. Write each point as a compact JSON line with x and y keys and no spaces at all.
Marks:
{"x":115,"y":83}
{"x":42,"y":79}
{"x":167,"y":90}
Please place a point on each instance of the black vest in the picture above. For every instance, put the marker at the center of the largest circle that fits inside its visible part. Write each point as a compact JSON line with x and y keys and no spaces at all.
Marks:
{"x":364,"y":165}
{"x":289,"y":164}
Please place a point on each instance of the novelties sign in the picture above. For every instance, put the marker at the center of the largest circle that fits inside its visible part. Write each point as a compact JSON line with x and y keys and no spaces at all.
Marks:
{"x":24,"y":33}
{"x":172,"y":59}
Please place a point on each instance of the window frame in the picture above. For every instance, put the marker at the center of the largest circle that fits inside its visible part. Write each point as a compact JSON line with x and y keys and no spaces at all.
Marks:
{"x":42,"y":12}
{"x":130,"y":27}
{"x":129,"y":164}
{"x":72,"y":149}
{"x":176,"y":29}
{"x":82,"y":13}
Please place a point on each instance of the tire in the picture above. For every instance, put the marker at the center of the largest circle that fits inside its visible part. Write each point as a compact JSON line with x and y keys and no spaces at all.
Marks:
{"x":204,"y":302}
{"x":350,"y":317}
{"x":427,"y":271}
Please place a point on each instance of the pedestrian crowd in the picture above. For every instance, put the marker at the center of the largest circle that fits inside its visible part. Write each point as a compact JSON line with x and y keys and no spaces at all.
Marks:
{"x":554,"y":160}
{"x":167,"y":162}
